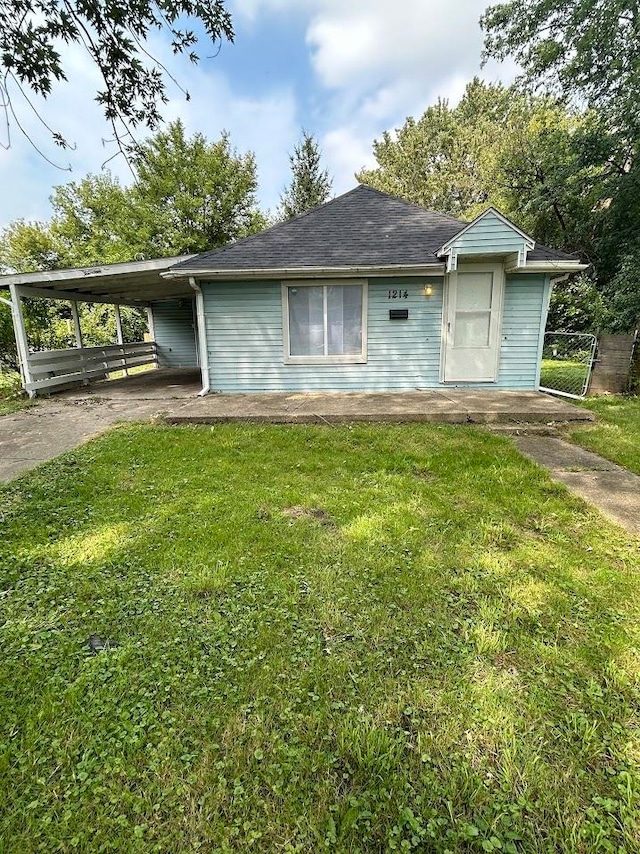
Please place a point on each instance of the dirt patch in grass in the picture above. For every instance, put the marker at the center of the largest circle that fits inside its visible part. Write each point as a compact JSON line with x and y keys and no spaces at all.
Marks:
{"x":315,"y":513}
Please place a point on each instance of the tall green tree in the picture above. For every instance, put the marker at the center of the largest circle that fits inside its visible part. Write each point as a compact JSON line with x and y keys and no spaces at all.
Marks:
{"x":310,"y":184}
{"x":446,"y":159}
{"x":190,"y":194}
{"x":496,"y":147}
{"x":90,"y":223}
{"x":589,"y":52}
{"x":575,"y":48}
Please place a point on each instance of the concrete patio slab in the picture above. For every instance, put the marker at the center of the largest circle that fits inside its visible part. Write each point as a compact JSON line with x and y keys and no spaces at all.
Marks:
{"x":155,"y":384}
{"x":609,"y":487}
{"x":452,"y":407}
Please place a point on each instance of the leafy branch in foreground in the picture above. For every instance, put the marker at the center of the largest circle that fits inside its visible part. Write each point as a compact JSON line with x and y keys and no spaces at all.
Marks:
{"x":34,"y":33}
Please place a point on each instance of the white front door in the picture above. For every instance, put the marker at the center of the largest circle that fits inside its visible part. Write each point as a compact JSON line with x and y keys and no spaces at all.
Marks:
{"x":472,"y":321}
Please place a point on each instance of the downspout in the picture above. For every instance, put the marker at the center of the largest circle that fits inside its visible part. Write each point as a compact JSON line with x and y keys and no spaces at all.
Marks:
{"x":202,"y":337}
{"x":548,"y":289}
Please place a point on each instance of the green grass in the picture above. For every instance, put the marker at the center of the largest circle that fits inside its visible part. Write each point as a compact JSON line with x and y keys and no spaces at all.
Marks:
{"x":356,"y":639}
{"x":563,"y":375}
{"x":12,"y":398}
{"x":616,"y":434}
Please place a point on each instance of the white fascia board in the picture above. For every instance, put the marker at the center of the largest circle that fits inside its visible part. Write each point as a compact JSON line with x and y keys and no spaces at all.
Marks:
{"x":77,"y":296}
{"x":549,"y":267}
{"x":437,"y":269}
{"x":529,"y":241}
{"x":105,"y":271}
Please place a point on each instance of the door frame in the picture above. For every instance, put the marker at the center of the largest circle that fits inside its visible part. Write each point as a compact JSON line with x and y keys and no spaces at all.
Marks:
{"x":499,"y":286}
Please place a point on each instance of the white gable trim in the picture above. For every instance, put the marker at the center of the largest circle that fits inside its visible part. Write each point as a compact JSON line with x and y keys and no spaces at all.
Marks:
{"x":529,"y":241}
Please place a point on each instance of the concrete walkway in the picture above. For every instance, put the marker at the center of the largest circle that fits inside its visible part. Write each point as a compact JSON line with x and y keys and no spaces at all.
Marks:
{"x":609,"y":487}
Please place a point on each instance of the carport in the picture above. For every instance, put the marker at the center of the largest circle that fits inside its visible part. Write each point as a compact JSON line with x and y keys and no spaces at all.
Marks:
{"x":174,"y":313}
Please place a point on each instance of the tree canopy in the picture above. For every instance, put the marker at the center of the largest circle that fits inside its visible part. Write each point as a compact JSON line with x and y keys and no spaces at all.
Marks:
{"x":547,"y":165}
{"x":191,"y":194}
{"x":310,"y":184}
{"x":496,"y":147}
{"x":588,"y":54}
{"x":114,"y":35}
{"x":573,"y":48}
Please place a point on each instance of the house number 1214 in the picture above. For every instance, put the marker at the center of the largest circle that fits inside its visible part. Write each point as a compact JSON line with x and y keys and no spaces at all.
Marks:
{"x":399,"y":294}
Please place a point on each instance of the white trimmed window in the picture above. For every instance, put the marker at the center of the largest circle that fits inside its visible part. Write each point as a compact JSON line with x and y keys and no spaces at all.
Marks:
{"x":325,"y":322}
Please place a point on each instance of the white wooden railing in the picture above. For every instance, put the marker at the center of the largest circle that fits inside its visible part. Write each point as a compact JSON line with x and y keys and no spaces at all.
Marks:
{"x":51,"y":369}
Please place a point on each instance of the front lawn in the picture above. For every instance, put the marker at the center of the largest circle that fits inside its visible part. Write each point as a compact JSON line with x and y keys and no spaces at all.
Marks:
{"x":351,"y":639}
{"x":616,"y":434}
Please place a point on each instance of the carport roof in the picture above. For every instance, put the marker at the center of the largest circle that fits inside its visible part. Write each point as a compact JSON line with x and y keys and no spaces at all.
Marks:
{"x":128,"y":283}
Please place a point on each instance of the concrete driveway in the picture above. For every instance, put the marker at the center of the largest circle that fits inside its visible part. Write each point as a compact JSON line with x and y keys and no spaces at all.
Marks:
{"x":68,"y":419}
{"x":41,"y":433}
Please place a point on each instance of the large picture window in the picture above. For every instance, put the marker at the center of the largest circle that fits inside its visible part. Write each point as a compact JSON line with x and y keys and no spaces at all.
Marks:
{"x":325,"y":322}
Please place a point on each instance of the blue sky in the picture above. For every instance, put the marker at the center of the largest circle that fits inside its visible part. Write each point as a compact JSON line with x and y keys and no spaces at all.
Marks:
{"x":346,"y":70}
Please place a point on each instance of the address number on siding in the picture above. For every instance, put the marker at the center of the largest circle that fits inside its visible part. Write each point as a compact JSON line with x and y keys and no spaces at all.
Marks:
{"x":398,"y":294}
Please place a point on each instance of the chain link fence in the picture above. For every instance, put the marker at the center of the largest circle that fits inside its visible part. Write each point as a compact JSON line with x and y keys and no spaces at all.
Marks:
{"x":567,"y":361}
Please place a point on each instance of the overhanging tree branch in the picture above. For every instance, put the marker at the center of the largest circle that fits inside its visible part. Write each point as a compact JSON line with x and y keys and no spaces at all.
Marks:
{"x":114,"y":35}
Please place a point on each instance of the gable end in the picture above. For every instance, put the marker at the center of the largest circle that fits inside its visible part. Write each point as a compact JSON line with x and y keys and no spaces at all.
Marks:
{"x":489,"y":234}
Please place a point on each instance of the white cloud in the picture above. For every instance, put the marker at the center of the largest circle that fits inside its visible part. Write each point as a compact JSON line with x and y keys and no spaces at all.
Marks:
{"x":267,"y":125}
{"x":379,"y":62}
{"x":345,"y":151}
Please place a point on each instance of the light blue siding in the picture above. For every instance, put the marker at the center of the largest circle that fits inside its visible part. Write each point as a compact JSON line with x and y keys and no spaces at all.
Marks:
{"x":488,"y":236}
{"x":174,"y":332}
{"x":245,"y":339}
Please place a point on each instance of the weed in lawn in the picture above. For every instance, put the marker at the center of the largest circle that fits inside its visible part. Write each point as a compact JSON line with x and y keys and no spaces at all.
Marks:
{"x":207,"y":580}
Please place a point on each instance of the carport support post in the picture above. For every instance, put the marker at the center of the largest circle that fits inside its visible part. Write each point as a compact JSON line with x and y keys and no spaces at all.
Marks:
{"x":20,"y":332}
{"x":77,"y":329}
{"x":152,"y":331}
{"x":121,"y":337}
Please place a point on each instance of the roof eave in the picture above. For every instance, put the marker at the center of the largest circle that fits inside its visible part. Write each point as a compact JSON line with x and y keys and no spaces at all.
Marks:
{"x":93,"y":271}
{"x":212,"y":273}
{"x":549,"y":266}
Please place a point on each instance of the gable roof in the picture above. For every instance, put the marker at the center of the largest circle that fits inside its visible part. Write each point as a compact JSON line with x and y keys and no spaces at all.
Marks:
{"x":489,"y":212}
{"x":363,"y":228}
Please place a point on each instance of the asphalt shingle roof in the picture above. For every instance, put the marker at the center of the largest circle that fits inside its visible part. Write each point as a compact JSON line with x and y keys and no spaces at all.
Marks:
{"x":362,"y":228}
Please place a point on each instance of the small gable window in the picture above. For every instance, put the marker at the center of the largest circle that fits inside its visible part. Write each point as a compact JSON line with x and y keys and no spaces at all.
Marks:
{"x":325,"y":322}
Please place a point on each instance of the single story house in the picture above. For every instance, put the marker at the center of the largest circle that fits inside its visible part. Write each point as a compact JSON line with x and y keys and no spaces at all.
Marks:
{"x":367,"y":292}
